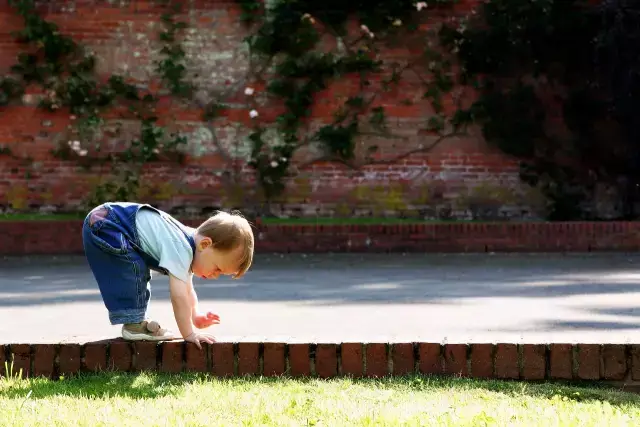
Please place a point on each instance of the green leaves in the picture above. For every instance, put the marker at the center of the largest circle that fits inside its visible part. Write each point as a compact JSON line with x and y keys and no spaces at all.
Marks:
{"x":339,"y":139}
{"x":289,"y":38}
{"x":172,"y":68}
{"x":67,"y":72}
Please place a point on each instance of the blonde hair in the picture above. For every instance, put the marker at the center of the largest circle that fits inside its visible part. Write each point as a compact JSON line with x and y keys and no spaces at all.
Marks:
{"x":228,"y":231}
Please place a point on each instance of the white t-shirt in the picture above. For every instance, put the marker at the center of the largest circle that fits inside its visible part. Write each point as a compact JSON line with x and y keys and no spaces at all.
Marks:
{"x":165,"y":242}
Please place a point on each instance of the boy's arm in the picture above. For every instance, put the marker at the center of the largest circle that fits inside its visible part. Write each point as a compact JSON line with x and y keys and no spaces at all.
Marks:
{"x":193,"y":298}
{"x":200,"y":320}
{"x":182,"y":308}
{"x":181,"y":301}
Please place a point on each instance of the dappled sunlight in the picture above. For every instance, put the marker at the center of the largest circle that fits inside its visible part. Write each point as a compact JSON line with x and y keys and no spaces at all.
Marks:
{"x":630,"y":278}
{"x":377,"y":286}
{"x":594,"y":316}
{"x":57,"y":296}
{"x":549,"y":282}
{"x":599,"y":276}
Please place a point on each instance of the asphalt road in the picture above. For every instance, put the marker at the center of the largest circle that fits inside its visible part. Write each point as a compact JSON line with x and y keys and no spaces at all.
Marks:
{"x":332,"y":298}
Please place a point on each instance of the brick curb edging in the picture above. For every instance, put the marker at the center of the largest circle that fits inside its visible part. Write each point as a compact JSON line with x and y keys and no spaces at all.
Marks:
{"x":614,"y":363}
{"x":64,"y":237}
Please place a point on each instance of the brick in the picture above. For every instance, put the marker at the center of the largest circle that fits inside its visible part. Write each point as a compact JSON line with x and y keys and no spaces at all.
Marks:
{"x":21,"y":358}
{"x":455,"y":359}
{"x":172,"y":356}
{"x":561,"y":361}
{"x":614,"y":360}
{"x":430,"y":359}
{"x":376,"y":360}
{"x":352,"y":359}
{"x":326,"y":360}
{"x":248,"y":358}
{"x":482,"y":360}
{"x":121,"y":356}
{"x":534,"y":361}
{"x":146,"y":355}
{"x":274,"y":363}
{"x":635,"y":362}
{"x":43,"y":360}
{"x":69,"y":359}
{"x":222,"y":359}
{"x":403,"y":359}
{"x":95,"y":357}
{"x":506,"y":361}
{"x":197,"y":359}
{"x":299,"y":360}
{"x":3,"y":359}
{"x":59,"y":237}
{"x":588,"y":361}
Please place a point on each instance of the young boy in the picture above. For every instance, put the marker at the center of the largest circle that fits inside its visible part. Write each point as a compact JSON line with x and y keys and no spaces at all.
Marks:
{"x":123,"y":241}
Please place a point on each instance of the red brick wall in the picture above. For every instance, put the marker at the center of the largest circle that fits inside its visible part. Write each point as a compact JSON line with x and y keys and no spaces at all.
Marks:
{"x":614,"y":363}
{"x":125,"y":38}
{"x":65,"y":237}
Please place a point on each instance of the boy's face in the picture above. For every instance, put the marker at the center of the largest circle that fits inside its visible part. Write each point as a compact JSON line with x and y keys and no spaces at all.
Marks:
{"x":210,"y":263}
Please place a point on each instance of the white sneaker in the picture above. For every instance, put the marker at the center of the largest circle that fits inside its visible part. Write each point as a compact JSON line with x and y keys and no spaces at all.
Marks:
{"x":146,"y":331}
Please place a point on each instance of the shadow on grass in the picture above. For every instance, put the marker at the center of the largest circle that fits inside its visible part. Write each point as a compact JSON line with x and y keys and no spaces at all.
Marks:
{"x":103,"y":385}
{"x":154,"y":385}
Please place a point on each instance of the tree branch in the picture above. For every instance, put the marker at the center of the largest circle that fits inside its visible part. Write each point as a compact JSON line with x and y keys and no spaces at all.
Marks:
{"x":393,"y":160}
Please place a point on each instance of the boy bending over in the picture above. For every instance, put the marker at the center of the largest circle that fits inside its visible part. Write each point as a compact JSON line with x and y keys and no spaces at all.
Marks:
{"x":124,"y":241}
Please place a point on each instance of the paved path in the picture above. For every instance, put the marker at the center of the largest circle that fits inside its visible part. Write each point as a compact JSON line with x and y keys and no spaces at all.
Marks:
{"x":333,"y":298}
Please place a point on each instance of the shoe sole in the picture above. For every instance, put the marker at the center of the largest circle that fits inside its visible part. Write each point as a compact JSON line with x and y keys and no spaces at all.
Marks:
{"x":130,"y":336}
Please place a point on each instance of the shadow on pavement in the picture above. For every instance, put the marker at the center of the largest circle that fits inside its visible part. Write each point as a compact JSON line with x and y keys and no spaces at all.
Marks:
{"x":350,"y":279}
{"x":341,"y":279}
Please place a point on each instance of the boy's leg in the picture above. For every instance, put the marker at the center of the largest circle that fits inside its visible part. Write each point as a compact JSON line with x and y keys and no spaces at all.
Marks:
{"x":122,"y":276}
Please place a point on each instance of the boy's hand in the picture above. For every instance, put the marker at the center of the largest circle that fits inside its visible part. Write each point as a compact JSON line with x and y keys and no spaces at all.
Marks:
{"x":196,"y":338}
{"x":202,"y":321}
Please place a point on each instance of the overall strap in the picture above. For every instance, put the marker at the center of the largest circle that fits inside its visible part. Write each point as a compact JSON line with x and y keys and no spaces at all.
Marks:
{"x":188,"y":235}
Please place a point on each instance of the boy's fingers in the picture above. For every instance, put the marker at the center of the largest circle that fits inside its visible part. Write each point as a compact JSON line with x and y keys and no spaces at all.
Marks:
{"x":210,"y":338}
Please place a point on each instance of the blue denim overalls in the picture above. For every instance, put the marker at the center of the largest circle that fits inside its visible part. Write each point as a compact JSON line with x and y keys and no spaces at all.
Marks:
{"x":119,"y":265}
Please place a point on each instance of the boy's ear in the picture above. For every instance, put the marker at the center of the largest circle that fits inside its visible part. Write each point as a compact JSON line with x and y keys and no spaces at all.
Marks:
{"x":205,"y":243}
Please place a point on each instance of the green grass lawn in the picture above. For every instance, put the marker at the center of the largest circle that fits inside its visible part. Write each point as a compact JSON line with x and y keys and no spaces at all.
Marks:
{"x":197,"y":400}
{"x":41,"y":217}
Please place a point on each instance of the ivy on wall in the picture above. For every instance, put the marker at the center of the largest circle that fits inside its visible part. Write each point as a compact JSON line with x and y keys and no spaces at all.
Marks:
{"x":530,"y":66}
{"x":289,"y":38}
{"x":65,"y":71}
{"x":286,"y":40}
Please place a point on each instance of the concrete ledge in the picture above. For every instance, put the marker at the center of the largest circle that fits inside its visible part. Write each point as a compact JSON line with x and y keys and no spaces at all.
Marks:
{"x":64,"y":237}
{"x":611,"y":363}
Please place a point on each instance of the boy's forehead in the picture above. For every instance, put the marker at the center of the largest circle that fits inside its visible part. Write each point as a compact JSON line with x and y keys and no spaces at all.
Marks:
{"x":232,"y":260}
{"x":236,"y":254}
{"x":230,"y":268}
